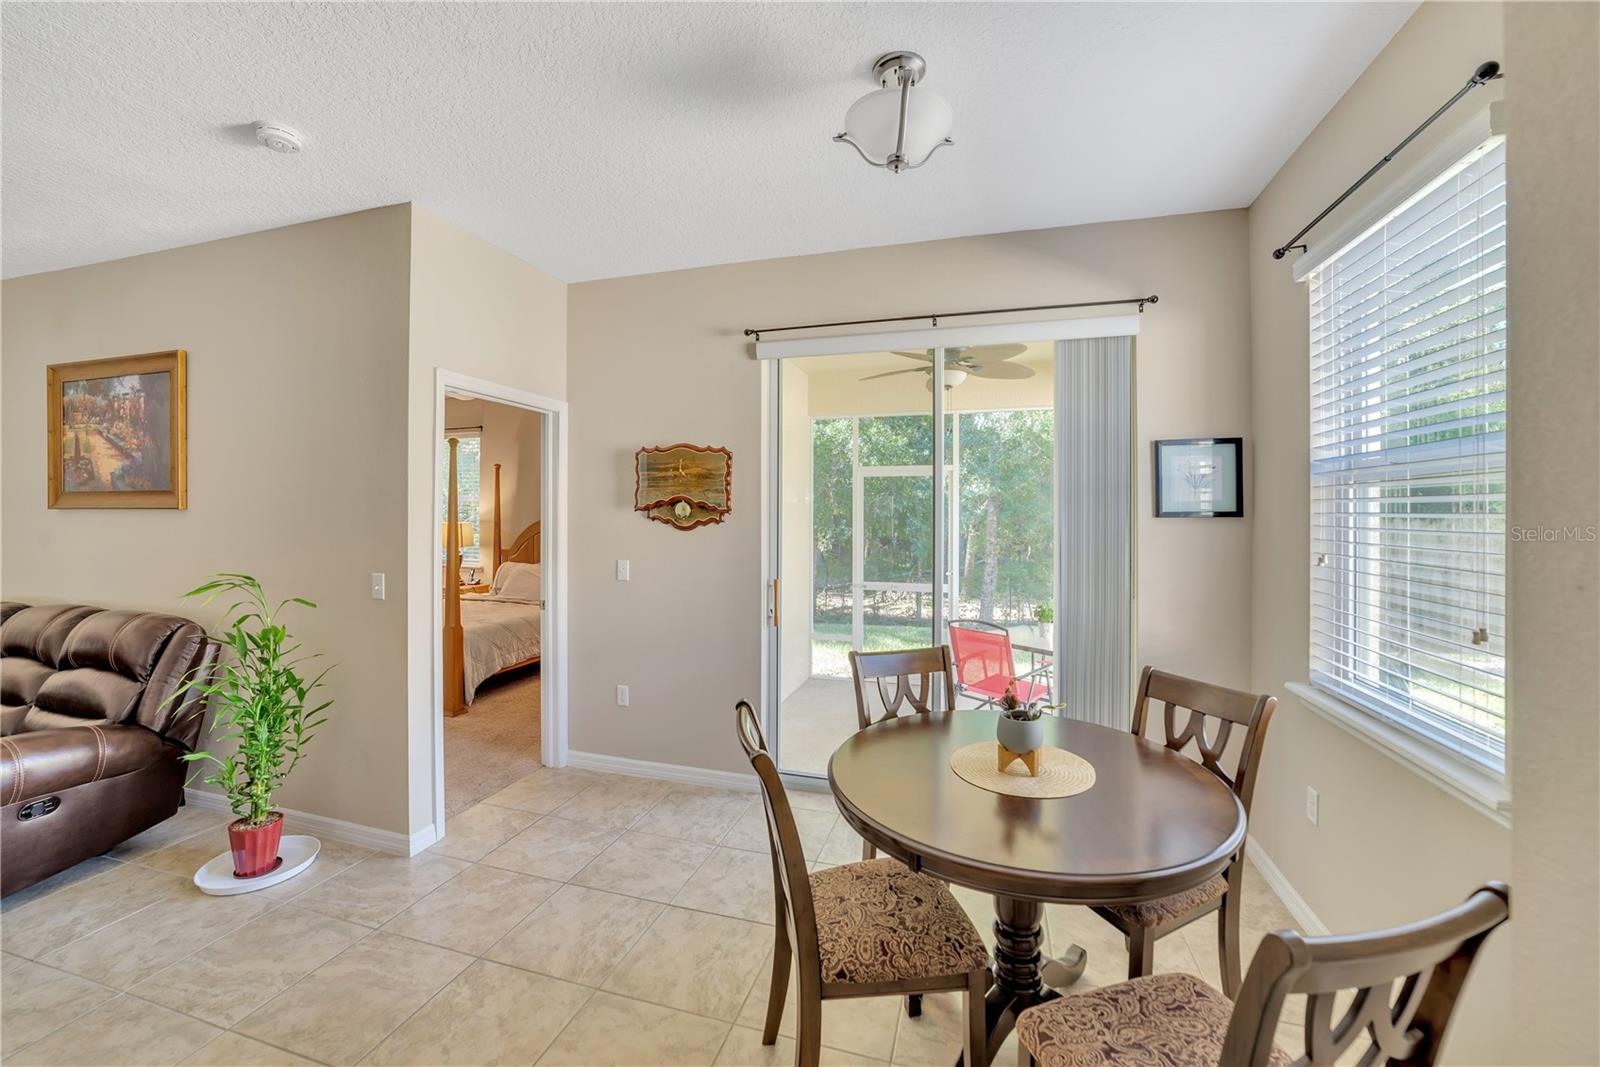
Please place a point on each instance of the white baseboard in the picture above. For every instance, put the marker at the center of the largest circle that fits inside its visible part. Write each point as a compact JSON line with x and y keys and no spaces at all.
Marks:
{"x":390,"y":841}
{"x":671,"y":772}
{"x":1275,"y":879}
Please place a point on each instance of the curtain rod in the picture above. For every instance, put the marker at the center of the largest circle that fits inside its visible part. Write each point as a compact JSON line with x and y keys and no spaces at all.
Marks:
{"x":1486,"y":73}
{"x":935,"y":316}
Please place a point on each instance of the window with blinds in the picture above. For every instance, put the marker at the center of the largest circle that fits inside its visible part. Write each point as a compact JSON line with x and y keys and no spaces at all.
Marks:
{"x":468,"y":495}
{"x":1408,"y":471}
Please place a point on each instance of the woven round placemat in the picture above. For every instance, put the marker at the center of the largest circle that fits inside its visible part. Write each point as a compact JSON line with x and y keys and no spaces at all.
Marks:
{"x":1061,"y":773}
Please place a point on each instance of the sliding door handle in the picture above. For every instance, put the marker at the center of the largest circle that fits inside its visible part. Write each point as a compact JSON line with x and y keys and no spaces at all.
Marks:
{"x":774,"y":602}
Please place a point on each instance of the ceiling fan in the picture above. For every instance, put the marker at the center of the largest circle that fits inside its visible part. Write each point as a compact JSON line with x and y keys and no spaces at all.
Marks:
{"x":980,"y":361}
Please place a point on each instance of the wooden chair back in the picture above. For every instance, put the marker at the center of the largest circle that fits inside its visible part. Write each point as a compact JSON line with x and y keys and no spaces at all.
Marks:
{"x":921,"y":664}
{"x":1213,"y":713}
{"x":1428,"y":960}
{"x":790,"y":879}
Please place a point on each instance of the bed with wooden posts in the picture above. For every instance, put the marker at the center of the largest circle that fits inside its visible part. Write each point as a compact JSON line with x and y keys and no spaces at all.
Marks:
{"x":488,"y":633}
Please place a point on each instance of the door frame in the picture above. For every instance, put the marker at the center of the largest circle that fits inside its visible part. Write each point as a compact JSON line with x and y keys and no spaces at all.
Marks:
{"x":553,"y":678}
{"x":773,"y":353}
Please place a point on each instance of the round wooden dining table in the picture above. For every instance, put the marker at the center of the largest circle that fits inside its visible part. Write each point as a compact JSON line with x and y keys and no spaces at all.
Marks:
{"x":1153,"y":823}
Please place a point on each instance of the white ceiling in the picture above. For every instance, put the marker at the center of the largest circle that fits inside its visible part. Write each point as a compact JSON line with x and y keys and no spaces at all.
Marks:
{"x":597,"y":140}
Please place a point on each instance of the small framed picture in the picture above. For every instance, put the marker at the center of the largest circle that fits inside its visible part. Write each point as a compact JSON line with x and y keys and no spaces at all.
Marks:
{"x":118,"y":432}
{"x":1199,"y":478}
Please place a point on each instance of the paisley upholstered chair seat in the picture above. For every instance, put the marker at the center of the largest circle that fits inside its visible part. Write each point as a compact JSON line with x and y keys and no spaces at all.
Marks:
{"x":1164,"y":1020}
{"x":1163,"y":910}
{"x":877,"y":921}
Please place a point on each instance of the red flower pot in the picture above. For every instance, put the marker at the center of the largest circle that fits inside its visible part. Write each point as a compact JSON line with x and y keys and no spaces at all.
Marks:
{"x":255,"y":849}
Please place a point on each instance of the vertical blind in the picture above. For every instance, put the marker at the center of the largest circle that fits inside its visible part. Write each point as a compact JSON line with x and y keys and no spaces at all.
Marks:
{"x":1094,"y":529}
{"x":1408,"y":472}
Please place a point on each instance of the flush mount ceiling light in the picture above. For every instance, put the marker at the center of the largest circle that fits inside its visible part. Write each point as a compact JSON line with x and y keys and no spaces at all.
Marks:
{"x":890,"y":127}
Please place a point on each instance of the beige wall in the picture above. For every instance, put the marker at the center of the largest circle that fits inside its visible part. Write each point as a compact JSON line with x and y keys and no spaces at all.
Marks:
{"x":1389,"y":846}
{"x":511,"y":438}
{"x":297,"y":348}
{"x":476,"y":310}
{"x":1553,"y":163}
{"x":660,"y":358}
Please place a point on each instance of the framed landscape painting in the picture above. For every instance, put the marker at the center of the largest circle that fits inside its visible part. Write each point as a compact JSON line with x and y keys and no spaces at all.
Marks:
{"x":117,"y":432}
{"x":1200,"y":478}
{"x":683,"y":485}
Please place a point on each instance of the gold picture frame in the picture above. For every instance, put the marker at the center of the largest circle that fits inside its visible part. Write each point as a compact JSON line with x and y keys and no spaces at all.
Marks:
{"x":118,"y":432}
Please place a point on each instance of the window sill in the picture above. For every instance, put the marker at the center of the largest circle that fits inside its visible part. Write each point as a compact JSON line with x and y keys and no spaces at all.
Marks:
{"x":1461,"y":778}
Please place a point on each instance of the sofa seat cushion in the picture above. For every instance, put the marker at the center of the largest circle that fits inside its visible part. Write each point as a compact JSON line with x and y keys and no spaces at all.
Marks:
{"x":1163,"y":1020}
{"x":35,"y":763}
{"x":11,"y":716}
{"x":878,"y":921}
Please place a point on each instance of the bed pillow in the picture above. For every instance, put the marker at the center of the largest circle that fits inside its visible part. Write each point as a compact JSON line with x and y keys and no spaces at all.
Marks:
{"x":519,"y":581}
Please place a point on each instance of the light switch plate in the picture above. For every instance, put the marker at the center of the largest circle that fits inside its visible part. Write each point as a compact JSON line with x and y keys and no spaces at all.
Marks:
{"x":377,"y":585}
{"x":622,"y":696}
{"x":1313,"y":801}
{"x":622,"y":570}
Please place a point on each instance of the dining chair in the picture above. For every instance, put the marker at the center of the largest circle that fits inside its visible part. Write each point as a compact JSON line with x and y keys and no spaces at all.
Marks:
{"x":986,"y":665}
{"x":1405,"y":983}
{"x":1213,"y":712}
{"x":914,"y":671}
{"x":869,"y":929}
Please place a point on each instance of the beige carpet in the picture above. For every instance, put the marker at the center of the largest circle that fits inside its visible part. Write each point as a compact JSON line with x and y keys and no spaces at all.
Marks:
{"x":495,"y":743}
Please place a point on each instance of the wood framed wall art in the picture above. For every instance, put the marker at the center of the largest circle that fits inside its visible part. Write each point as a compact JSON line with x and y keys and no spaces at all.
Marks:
{"x":682,"y":485}
{"x":118,"y":432}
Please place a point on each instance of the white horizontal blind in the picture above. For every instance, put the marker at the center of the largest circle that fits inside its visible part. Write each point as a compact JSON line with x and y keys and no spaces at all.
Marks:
{"x":1408,"y":438}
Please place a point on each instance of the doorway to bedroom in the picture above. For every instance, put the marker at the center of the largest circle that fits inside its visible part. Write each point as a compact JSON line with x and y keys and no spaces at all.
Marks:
{"x":491,"y":468}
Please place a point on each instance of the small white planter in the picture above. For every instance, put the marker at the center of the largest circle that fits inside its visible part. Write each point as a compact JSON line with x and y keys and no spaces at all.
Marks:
{"x":216,"y":877}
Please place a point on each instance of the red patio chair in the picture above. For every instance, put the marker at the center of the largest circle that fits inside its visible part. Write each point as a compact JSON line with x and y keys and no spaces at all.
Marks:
{"x":985,"y":666}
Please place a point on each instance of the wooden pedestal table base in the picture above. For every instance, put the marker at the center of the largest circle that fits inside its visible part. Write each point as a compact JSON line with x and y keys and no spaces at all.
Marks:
{"x":1023,"y":974}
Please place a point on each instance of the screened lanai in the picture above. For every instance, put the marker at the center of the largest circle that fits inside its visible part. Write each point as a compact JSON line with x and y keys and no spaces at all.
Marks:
{"x":858,"y":517}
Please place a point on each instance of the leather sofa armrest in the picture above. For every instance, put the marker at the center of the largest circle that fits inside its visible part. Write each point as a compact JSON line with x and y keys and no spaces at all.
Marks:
{"x":39,"y":762}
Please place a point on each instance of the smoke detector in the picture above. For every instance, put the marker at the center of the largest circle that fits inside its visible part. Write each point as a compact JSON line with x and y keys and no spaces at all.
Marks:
{"x":278,"y":137}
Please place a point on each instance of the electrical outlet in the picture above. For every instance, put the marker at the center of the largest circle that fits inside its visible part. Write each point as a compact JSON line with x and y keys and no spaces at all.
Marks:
{"x":1312,"y":799}
{"x":622,"y":696}
{"x":622,"y":570}
{"x":377,"y":585}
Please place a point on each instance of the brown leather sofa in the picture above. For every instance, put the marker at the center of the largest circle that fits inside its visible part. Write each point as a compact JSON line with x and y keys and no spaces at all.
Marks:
{"x":90,"y":738}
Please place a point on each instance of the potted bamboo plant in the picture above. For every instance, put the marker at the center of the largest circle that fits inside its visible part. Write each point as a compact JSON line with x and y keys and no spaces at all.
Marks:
{"x":263,"y":705}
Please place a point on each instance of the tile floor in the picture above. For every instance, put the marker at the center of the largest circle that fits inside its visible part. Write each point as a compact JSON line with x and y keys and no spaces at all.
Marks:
{"x":570,"y":918}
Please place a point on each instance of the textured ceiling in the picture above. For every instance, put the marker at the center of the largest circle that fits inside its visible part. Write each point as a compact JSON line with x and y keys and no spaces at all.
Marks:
{"x":597,"y":140}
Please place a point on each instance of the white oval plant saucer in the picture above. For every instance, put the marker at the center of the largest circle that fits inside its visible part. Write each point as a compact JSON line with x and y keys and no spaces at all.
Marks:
{"x":296,"y":850}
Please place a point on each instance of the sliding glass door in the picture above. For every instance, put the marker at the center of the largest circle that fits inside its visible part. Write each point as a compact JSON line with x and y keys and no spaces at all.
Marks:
{"x":876,"y":553}
{"x":855,"y":526}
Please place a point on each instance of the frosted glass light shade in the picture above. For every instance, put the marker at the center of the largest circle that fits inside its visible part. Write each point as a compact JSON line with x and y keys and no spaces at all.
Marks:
{"x":873,"y":122}
{"x":952,"y":378}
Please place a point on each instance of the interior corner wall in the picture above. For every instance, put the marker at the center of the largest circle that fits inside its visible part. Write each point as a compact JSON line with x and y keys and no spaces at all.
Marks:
{"x":1553,"y":392}
{"x":480,"y":311}
{"x":1389,"y":846}
{"x":656,"y":359}
{"x":296,"y":342}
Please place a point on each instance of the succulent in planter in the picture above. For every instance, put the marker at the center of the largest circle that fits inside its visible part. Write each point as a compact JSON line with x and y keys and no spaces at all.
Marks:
{"x":1012,"y":708}
{"x":262,"y":705}
{"x":1044,"y":614}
